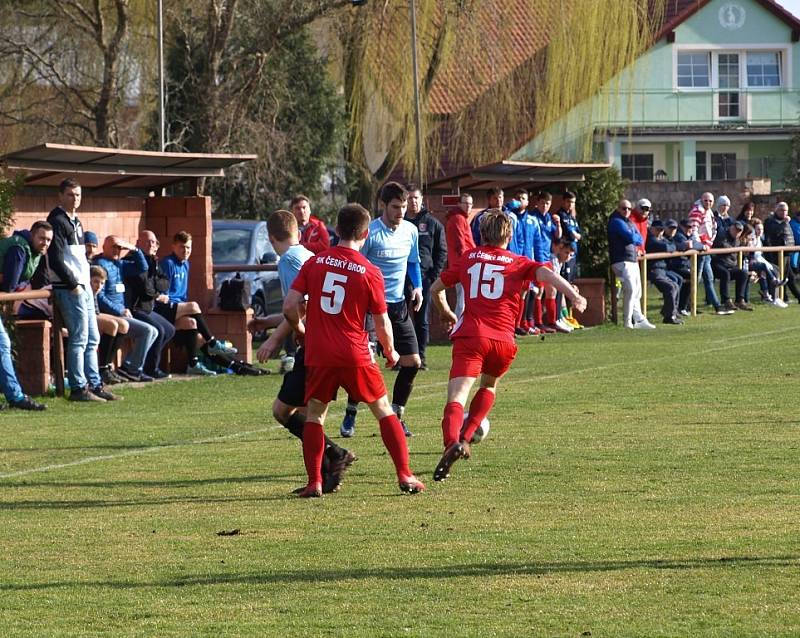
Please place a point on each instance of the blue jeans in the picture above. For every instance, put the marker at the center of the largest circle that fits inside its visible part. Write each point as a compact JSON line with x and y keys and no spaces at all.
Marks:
{"x":165,"y":333}
{"x":8,"y":377}
{"x":707,"y":276}
{"x":81,"y":322}
{"x":143,"y":335}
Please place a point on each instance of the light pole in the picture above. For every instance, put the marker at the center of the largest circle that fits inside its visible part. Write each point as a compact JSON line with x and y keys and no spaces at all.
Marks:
{"x":417,"y":115}
{"x":161,"y":75}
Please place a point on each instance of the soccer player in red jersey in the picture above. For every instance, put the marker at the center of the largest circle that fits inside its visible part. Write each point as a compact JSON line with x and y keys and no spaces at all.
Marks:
{"x":342,"y":286}
{"x":483,"y":337}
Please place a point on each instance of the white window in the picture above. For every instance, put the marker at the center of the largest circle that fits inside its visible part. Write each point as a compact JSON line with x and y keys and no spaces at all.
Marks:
{"x":763,"y":68}
{"x":637,"y":167}
{"x":693,"y":70}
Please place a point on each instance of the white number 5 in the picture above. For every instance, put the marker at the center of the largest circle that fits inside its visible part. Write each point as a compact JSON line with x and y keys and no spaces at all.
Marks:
{"x":486,"y":279}
{"x":333,"y":286}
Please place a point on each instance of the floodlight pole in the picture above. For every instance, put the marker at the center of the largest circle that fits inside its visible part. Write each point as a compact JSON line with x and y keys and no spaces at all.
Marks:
{"x":417,"y":115}
{"x":161,"y":75}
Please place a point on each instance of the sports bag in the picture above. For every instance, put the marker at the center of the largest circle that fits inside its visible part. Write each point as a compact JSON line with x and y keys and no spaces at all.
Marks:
{"x":234,"y":294}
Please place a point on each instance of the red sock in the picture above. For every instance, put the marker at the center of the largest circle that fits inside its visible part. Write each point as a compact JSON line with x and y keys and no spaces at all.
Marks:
{"x":551,"y":310}
{"x":521,"y":314}
{"x":537,"y":312}
{"x":452,"y":421}
{"x":313,"y":449}
{"x":479,"y":408}
{"x":395,"y":441}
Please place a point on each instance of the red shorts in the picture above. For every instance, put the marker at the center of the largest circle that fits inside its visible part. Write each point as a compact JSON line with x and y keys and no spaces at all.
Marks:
{"x":473,"y":356}
{"x":362,"y":383}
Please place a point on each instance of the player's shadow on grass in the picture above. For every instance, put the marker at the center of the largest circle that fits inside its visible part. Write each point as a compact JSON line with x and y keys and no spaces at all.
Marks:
{"x":166,"y":484}
{"x":432,"y":573}
{"x":141,"y":446}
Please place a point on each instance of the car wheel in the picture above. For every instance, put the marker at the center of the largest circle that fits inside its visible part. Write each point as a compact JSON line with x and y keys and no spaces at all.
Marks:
{"x":259,"y":310}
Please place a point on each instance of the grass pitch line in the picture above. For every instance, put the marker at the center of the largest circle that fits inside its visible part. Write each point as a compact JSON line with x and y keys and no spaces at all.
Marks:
{"x":136,"y":452}
{"x":159,"y":448}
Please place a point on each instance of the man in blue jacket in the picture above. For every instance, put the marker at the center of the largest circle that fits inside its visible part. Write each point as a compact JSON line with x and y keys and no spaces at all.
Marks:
{"x":657,"y":272}
{"x":111,"y":300}
{"x":623,"y":240}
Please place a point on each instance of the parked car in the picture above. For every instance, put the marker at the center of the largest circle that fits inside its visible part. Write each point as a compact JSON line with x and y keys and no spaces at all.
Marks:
{"x":247,"y":243}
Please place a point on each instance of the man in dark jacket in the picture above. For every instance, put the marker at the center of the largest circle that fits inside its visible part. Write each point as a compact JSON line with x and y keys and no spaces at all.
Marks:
{"x":657,"y":272}
{"x":432,"y":258}
{"x":141,"y":293}
{"x":72,"y":294}
{"x":21,"y":255}
{"x":680,"y":268}
{"x":778,"y":232}
{"x":624,"y":242}
{"x":726,"y":267}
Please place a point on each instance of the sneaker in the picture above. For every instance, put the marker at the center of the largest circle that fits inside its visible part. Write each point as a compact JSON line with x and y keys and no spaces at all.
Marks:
{"x":563,"y":326}
{"x":534,"y":331}
{"x":673,"y":320}
{"x":109,"y":377}
{"x":136,"y":377}
{"x":83,"y":395}
{"x":221,"y":347}
{"x":348,"y":427}
{"x":287,"y":364}
{"x":686,"y":313}
{"x":644,"y":324}
{"x":573,"y":323}
{"x":765,"y":296}
{"x":199,"y":370}
{"x":26,"y":403}
{"x":724,"y":311}
{"x":780,"y":303}
{"x":336,"y":472}
{"x":159,"y":374}
{"x":743,"y":305}
{"x":406,"y":431}
{"x":309,"y":491}
{"x":104,"y":394}
{"x":544,"y":329}
{"x":520,"y":331}
{"x":451,"y":455}
{"x":729,"y":305}
{"x":411,"y":485}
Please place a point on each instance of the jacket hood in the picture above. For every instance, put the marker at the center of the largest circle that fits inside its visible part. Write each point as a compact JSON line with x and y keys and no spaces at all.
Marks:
{"x":25,"y":234}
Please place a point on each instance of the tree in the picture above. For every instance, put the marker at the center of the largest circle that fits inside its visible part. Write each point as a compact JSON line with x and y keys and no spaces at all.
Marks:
{"x":792,"y":179}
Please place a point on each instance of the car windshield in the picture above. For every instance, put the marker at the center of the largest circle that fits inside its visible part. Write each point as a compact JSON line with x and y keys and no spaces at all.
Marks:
{"x":231,"y":245}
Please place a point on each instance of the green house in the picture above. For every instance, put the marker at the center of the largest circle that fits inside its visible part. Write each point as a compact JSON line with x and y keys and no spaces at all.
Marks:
{"x":717,"y":97}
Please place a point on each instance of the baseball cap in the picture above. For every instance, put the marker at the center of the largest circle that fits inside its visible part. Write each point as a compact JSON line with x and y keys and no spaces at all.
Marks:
{"x":643,"y":203}
{"x":657,"y":224}
{"x":90,"y":238}
{"x":723,"y":200}
{"x":671,"y":223}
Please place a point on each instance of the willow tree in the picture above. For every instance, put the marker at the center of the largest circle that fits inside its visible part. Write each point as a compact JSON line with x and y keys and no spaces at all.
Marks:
{"x":491,"y":73}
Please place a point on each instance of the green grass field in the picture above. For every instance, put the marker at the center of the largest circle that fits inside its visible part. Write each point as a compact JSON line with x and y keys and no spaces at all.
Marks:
{"x":633,"y":484}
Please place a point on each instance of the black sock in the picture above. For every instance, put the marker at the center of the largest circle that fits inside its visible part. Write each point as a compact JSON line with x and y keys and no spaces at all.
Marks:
{"x":403,"y":384}
{"x":115,"y":346}
{"x":202,"y":328}
{"x":105,"y":352}
{"x":295,"y":424}
{"x":352,"y":407}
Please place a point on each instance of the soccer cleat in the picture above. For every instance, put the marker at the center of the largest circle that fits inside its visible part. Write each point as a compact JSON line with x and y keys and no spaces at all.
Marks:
{"x":104,"y":394}
{"x":199,"y":370}
{"x":544,"y":329}
{"x":406,"y":431}
{"x":348,"y":427}
{"x":310,"y":491}
{"x":563,"y":326}
{"x":26,"y":403}
{"x":534,"y":331}
{"x":338,"y":467}
{"x":411,"y":485}
{"x":451,"y":455}
{"x":220,"y":347}
{"x":520,"y":331}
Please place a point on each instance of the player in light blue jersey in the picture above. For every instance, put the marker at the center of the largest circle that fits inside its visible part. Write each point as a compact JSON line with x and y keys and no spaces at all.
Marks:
{"x":393,"y":246}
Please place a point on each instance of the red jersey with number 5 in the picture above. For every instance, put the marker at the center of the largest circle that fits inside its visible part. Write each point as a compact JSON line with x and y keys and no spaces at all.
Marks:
{"x":342,"y":287}
{"x":492,"y":279}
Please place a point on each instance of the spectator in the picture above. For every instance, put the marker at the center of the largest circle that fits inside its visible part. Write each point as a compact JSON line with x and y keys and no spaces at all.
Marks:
{"x":657,"y":272}
{"x":9,"y":384}
{"x":726,"y":268}
{"x":683,"y":236}
{"x":795,"y":226}
{"x":778,"y":232}
{"x":91,"y":244}
{"x":113,"y":330}
{"x":459,"y":238}
{"x":571,"y":230}
{"x":549,"y":232}
{"x":21,"y":255}
{"x":69,"y":275}
{"x":640,"y":217}
{"x":176,"y":267}
{"x":494,"y":199}
{"x":142,"y":290}
{"x":624,"y":241}
{"x":562,"y":253}
{"x":432,"y":259}
{"x":767,"y":273}
{"x":313,"y":232}
{"x":111,"y":300}
{"x":746,"y":213}
{"x":703,"y":215}
{"x":723,"y":219}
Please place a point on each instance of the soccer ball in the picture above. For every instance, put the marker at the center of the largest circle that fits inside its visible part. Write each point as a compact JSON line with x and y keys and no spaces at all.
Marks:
{"x":481,"y":433}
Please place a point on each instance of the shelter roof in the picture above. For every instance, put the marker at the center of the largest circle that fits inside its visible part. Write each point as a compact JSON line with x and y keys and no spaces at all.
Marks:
{"x":113,"y":170}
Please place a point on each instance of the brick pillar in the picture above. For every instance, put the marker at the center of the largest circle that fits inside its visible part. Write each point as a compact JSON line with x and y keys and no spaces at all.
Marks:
{"x":33,"y":338}
{"x":594,"y":290}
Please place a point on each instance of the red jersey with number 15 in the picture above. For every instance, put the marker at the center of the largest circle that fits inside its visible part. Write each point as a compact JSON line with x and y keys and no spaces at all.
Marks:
{"x":342,"y":287}
{"x":492,"y":279}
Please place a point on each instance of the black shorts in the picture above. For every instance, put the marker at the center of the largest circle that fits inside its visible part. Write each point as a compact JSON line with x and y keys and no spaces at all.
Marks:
{"x":167,"y":310}
{"x":293,"y":388}
{"x":405,"y":338}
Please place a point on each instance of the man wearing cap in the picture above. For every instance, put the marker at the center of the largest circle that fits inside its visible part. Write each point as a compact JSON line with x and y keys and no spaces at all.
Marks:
{"x":623,"y":242}
{"x":778,"y":232}
{"x":726,"y":267}
{"x":91,"y":244}
{"x":683,"y":236}
{"x":657,"y":272}
{"x":723,"y":219}
{"x":640,"y":216}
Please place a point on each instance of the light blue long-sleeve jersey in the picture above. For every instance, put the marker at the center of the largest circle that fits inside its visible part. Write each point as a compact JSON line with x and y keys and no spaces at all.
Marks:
{"x":395,"y":252}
